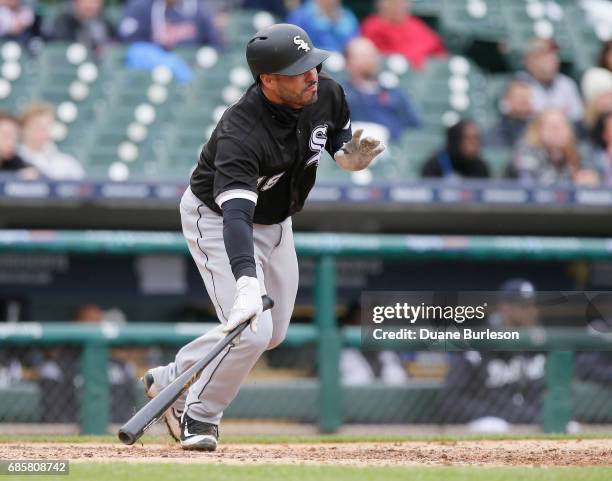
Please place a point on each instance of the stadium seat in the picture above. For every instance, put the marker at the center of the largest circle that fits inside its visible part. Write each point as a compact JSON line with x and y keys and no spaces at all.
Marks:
{"x":524,"y":24}
{"x":243,"y":23}
{"x":426,"y":8}
{"x":17,"y":75}
{"x":584,"y":41}
{"x":413,"y":149}
{"x":465,"y":21}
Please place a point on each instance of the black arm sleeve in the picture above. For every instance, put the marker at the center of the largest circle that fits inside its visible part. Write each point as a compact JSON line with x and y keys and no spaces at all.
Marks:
{"x":342,"y":131}
{"x":238,"y":236}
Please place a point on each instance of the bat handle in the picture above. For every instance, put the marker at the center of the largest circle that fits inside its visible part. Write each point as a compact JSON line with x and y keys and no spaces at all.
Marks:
{"x":267,"y":302}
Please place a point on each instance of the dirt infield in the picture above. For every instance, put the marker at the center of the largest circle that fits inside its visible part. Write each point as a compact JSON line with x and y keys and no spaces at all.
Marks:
{"x":586,"y":452}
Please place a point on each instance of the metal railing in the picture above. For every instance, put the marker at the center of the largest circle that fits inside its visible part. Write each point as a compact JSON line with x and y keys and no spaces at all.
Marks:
{"x":97,"y":340}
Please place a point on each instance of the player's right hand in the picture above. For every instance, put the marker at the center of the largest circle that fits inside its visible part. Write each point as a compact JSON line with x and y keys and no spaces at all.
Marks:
{"x":358,"y":153}
{"x":247,"y":304}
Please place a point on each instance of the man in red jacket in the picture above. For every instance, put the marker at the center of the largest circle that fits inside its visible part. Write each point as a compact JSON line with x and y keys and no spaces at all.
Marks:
{"x":394,"y":30}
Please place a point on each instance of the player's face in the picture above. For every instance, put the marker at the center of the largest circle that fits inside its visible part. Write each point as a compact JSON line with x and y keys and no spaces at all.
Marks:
{"x":297,"y":91}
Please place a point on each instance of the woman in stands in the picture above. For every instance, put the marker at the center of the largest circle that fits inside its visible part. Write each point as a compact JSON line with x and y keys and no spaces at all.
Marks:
{"x":39,"y":150}
{"x":548,"y":153}
{"x":461,"y":157}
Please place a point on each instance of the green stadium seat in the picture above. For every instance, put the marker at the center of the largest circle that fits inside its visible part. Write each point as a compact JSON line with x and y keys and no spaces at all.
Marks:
{"x":413,"y":149}
{"x":426,"y":8}
{"x":187,"y":53}
{"x":584,"y":42}
{"x":241,"y":28}
{"x":17,"y":74}
{"x":461,"y":22}
{"x":522,"y":28}
{"x":113,"y":60}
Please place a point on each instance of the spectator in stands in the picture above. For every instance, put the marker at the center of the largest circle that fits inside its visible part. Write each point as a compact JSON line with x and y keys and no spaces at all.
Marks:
{"x":548,"y":153}
{"x":329,"y":25}
{"x":516,"y":112}
{"x":368,"y":100}
{"x":394,"y":30}
{"x":39,"y":150}
{"x":83,"y":21}
{"x":597,"y":93}
{"x":600,"y":150}
{"x":550,"y":88}
{"x":461,"y":156}
{"x":169,"y":23}
{"x":18,"y":21}
{"x":492,"y":390}
{"x":9,"y":139}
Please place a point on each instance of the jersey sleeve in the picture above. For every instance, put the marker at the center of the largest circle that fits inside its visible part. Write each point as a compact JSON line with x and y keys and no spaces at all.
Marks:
{"x":236,"y":172}
{"x":342,"y":131}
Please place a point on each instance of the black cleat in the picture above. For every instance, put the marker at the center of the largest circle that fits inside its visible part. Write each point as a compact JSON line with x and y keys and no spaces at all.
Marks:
{"x":198,"y":435}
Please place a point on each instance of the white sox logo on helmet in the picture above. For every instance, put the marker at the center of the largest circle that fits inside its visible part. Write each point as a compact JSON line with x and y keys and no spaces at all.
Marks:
{"x":302,"y":45}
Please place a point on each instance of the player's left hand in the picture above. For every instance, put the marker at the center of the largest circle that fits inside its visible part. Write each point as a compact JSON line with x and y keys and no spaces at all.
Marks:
{"x":357,"y":153}
{"x":247,"y":304}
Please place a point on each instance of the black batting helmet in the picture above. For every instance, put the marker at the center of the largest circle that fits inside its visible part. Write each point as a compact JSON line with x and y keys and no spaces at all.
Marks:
{"x":283,"y":49}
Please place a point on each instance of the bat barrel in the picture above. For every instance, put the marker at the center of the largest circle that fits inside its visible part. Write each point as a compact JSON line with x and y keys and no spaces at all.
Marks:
{"x":140,"y":422}
{"x":127,"y":437}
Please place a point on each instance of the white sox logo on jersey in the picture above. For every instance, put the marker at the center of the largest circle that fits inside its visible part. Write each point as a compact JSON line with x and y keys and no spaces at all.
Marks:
{"x":318,"y":139}
{"x":302,"y":45}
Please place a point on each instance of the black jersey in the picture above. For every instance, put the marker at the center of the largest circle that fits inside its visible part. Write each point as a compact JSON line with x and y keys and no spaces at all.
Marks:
{"x":269,"y":153}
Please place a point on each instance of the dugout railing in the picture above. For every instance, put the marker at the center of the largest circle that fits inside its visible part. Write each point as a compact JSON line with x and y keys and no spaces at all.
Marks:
{"x":96,"y":341}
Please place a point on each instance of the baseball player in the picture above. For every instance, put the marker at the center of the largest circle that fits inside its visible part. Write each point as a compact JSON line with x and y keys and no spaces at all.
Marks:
{"x":253,"y":174}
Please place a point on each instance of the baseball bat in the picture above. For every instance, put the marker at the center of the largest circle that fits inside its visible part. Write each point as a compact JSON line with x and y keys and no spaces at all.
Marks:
{"x":131,"y":431}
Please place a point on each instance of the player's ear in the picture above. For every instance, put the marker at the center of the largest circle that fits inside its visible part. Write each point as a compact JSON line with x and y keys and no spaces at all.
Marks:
{"x":266,"y":79}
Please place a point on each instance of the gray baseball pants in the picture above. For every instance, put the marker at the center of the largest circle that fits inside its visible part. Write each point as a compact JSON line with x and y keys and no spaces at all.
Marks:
{"x":277,"y":272}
